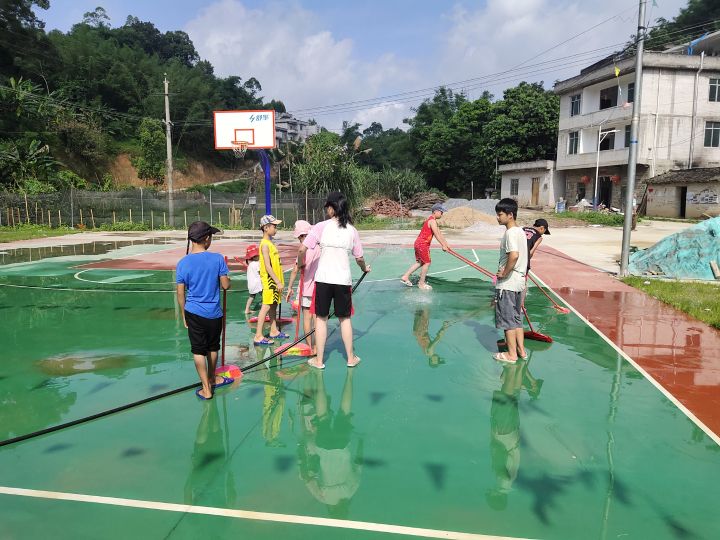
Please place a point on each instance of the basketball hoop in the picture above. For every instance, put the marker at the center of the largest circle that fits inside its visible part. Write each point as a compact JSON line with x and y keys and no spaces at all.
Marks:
{"x":239,"y":148}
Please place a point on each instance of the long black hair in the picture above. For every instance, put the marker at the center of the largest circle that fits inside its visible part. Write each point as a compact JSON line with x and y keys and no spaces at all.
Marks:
{"x":339,"y":204}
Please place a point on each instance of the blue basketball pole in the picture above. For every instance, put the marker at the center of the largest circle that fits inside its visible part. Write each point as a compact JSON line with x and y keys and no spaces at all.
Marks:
{"x":265,"y":163}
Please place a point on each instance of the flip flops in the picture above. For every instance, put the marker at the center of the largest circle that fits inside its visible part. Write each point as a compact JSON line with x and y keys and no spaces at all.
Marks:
{"x":198,"y":394}
{"x":314,"y":366}
{"x":281,"y":335}
{"x":357,"y":361}
{"x":406,"y":282}
{"x":264,"y":341}
{"x":225,"y":382}
{"x":503,"y":357}
{"x":425,"y":287}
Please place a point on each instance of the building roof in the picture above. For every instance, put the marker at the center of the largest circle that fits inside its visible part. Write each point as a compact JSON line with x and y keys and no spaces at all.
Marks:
{"x":543,"y":164}
{"x":687,"y":176}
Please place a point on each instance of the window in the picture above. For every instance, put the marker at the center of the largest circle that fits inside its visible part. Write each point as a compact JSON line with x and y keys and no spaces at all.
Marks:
{"x":714,"y":90}
{"x":573,"y":140}
{"x":608,"y":141}
{"x":712,"y":134}
{"x":514,"y":186}
{"x":608,"y":97}
{"x":627,"y":136}
{"x":631,"y":92}
{"x":575,"y":105}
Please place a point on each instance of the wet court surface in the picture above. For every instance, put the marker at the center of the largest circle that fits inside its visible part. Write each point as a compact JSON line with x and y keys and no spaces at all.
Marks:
{"x":428,"y":432}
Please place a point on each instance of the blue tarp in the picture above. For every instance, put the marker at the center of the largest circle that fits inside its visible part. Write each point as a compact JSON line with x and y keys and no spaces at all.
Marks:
{"x":686,"y":254}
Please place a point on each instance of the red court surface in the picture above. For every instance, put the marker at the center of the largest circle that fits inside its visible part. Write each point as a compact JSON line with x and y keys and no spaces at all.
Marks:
{"x":681,"y":353}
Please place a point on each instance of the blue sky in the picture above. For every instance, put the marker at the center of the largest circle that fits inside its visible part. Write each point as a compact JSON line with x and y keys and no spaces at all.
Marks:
{"x":312,"y":53}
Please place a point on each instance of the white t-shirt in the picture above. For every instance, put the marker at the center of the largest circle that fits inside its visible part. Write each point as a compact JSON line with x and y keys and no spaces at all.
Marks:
{"x":513,"y":240}
{"x":253,"y":277}
{"x":336,"y":244}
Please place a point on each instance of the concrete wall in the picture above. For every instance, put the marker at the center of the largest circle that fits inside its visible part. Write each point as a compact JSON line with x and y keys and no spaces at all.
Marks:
{"x":552,"y":186}
{"x":665,"y":200}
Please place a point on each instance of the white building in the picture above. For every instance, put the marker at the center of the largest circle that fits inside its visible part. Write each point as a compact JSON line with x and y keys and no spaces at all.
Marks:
{"x":289,"y":128}
{"x":679,"y":122}
{"x":532,"y":183}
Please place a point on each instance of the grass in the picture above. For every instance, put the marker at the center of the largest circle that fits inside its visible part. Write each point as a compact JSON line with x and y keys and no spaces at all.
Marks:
{"x":26,"y":232}
{"x":372,"y":223}
{"x":699,"y":300}
{"x":595,"y":218}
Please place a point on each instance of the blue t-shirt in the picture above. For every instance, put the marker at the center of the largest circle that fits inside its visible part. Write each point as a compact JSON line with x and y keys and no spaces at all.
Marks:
{"x":200,"y":273}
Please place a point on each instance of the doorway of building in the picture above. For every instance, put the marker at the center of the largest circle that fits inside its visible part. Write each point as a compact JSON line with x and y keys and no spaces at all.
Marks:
{"x":535,"y":192}
{"x":605,"y":191}
{"x":683,"y":201}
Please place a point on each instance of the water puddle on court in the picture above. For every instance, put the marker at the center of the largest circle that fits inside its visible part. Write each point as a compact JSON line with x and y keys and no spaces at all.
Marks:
{"x":34,"y":254}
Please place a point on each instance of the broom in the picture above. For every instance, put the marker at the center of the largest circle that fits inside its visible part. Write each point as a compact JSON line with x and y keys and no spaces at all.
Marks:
{"x":298,"y":349}
{"x":226,"y":370}
{"x":529,"y":334}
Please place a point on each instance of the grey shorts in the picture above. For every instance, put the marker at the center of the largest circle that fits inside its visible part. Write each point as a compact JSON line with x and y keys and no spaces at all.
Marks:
{"x":508,"y":309}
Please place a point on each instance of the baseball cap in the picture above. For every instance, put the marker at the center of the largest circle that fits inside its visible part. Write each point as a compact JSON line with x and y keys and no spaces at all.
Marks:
{"x":251,"y":251}
{"x":301,"y":227}
{"x":542,"y":223}
{"x":438,"y":206}
{"x":268,"y":219}
{"x":200,"y":229}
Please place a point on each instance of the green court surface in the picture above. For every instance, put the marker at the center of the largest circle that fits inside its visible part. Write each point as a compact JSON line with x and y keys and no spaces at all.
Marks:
{"x":427,"y":437}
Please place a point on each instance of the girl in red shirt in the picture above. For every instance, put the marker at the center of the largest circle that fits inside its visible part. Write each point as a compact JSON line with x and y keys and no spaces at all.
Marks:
{"x":422,"y":247}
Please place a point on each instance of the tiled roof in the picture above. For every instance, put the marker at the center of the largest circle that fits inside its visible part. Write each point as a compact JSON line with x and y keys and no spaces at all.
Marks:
{"x":687,"y":176}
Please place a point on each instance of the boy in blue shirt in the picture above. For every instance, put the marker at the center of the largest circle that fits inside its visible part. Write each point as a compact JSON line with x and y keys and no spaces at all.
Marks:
{"x":200,"y":274}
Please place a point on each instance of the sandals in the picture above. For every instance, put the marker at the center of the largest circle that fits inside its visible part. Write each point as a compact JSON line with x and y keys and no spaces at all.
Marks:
{"x":309,"y":362}
{"x":225,"y":382}
{"x":198,"y":394}
{"x":281,"y":335}
{"x":503,"y":357}
{"x":264,"y":341}
{"x":406,"y":282}
{"x":357,"y":361}
{"x":425,"y":287}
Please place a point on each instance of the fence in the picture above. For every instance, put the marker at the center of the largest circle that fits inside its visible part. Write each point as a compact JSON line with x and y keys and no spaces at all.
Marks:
{"x":96,"y":209}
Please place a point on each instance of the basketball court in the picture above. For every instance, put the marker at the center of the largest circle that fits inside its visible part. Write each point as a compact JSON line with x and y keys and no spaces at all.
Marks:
{"x":428,"y":437}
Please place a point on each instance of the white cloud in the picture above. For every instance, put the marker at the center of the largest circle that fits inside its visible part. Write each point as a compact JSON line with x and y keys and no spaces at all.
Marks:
{"x":296,"y":60}
{"x":506,"y":33}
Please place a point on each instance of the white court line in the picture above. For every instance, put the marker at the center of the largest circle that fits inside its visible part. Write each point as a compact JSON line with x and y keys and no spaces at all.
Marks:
{"x":429,"y":273}
{"x":637,"y":366}
{"x":250,"y":515}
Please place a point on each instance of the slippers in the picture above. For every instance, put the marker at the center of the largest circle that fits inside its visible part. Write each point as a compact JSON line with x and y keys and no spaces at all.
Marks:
{"x":198,"y":394}
{"x":281,"y":335}
{"x":406,"y":282}
{"x":425,"y":287}
{"x":503,"y":357}
{"x":524,"y":356}
{"x":357,"y":361}
{"x":314,"y":366}
{"x":225,"y":382}
{"x":264,"y":341}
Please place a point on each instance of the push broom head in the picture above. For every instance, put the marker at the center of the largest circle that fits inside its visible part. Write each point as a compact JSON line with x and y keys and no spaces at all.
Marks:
{"x":299,"y":349}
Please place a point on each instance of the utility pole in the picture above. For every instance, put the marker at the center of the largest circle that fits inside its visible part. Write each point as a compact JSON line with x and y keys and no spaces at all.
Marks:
{"x":632,"y":160}
{"x":168,"y":138}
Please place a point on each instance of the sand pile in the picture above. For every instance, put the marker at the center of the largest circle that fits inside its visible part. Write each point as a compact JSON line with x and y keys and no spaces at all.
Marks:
{"x":464,"y":216}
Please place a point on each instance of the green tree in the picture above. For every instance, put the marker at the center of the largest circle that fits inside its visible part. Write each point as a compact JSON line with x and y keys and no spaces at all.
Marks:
{"x":697,"y":18}
{"x":151,"y":163}
{"x":27,"y":168}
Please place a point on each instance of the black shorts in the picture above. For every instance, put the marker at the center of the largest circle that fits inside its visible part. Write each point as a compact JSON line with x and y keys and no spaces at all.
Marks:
{"x":339,"y":295}
{"x":204,"y":333}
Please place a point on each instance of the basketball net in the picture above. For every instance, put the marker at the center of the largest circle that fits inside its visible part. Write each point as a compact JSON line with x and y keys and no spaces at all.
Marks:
{"x":239,"y":149}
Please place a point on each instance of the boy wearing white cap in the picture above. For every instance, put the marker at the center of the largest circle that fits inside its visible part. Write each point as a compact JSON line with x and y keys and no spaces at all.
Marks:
{"x":422,"y":247}
{"x":273,"y":281}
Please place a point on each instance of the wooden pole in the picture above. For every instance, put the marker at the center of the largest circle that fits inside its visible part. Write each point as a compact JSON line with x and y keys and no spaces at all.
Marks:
{"x":219,"y":219}
{"x":185,"y":218}
{"x":59,"y":219}
{"x":81,"y":217}
{"x":198,"y":215}
{"x":27,"y":210}
{"x":113,"y":217}
{"x":19,"y":221}
{"x":152,"y":220}
{"x":92,"y":217}
{"x":130,"y":211}
{"x":42,"y":218}
{"x":49,"y":220}
{"x":10,"y":220}
{"x":229,"y":217}
{"x":164,"y":220}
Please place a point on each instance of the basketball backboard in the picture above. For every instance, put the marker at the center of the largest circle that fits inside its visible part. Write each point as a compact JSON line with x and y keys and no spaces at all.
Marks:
{"x":256,"y":128}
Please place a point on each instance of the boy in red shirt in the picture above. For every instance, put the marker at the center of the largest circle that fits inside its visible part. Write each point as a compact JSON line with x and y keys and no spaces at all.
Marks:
{"x":422,"y":247}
